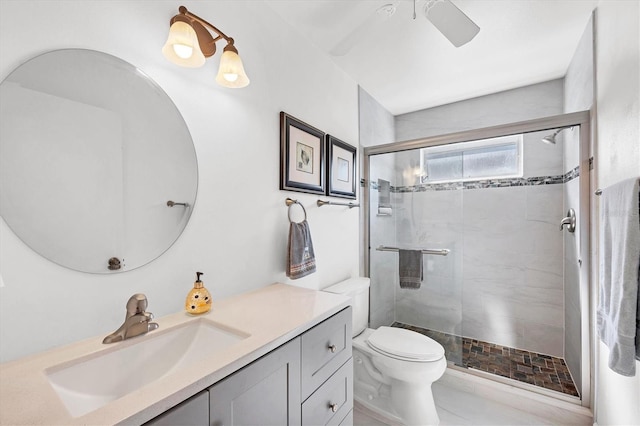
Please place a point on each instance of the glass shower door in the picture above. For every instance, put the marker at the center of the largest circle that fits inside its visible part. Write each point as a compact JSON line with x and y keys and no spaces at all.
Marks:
{"x":510,"y":299}
{"x":407,"y":215}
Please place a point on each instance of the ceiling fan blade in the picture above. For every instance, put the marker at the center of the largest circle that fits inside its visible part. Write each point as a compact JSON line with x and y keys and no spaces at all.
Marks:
{"x":380,"y":15}
{"x":451,"y":21}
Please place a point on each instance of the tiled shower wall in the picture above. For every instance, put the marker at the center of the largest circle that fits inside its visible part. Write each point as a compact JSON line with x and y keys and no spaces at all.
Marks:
{"x":383,"y":266}
{"x":502,"y":281}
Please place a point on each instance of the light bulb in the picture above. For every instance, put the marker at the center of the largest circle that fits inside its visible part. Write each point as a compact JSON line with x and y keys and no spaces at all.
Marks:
{"x":183,"y":51}
{"x":230,"y":77}
{"x":182,"y":46}
{"x":231,"y":72}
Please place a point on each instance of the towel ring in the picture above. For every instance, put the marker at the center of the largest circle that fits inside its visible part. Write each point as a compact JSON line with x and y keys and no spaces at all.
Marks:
{"x":290,"y":202}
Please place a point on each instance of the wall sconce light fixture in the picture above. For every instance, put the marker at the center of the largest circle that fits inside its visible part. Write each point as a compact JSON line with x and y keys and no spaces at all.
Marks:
{"x":190,"y":42}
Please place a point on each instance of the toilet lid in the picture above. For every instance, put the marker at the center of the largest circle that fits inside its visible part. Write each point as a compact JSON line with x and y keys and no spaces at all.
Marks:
{"x":405,"y":344}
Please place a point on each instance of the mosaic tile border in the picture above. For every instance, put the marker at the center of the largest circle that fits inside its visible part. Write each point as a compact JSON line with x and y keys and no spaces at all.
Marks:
{"x":540,"y":370}
{"x":487,"y":183}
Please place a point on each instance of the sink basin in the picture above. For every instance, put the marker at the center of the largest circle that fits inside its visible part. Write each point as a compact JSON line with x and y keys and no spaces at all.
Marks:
{"x":88,"y":383}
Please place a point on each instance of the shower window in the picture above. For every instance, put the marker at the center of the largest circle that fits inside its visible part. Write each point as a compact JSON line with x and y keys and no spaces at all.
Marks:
{"x":484,"y":159}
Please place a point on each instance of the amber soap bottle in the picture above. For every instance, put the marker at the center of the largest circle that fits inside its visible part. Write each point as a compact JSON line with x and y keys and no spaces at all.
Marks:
{"x":198,"y":300}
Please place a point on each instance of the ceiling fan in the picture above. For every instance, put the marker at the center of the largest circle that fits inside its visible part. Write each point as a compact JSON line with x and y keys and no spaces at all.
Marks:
{"x":457,"y":27}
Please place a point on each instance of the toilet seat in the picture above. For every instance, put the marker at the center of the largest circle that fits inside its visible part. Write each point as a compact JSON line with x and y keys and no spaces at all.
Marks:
{"x":405,"y":345}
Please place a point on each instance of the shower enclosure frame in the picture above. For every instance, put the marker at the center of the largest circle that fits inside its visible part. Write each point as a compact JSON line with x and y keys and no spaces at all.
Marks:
{"x":582,"y":119}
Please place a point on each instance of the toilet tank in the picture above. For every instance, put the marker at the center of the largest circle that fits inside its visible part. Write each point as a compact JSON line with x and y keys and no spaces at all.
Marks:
{"x":358,"y":290}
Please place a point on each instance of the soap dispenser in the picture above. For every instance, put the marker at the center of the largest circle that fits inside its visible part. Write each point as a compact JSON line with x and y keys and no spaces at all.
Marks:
{"x":198,"y":300}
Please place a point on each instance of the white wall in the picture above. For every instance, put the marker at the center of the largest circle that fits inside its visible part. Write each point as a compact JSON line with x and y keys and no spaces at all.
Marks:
{"x":617,"y":158}
{"x":237,"y":234}
{"x":377,"y":125}
{"x":510,"y":106}
{"x":578,"y":96}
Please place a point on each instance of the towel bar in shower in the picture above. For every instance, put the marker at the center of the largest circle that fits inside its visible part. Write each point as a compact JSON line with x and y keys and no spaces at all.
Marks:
{"x":437,"y":252}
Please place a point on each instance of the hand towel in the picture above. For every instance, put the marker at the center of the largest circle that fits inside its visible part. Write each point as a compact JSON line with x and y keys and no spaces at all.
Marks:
{"x":301,"y":260}
{"x":618,"y":314}
{"x":410,"y":268}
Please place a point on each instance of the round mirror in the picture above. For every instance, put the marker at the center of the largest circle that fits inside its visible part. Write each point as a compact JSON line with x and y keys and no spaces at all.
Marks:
{"x":98,"y":171}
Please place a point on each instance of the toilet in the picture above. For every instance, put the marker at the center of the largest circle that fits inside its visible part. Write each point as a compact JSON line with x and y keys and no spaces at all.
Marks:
{"x":393,"y":367}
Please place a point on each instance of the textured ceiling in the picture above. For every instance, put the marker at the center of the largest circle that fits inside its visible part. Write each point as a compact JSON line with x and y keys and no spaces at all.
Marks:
{"x":408,"y":65}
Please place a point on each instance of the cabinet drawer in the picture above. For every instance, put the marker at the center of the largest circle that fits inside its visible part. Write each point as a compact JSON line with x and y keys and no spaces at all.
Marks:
{"x":325,"y":348}
{"x":330,"y":404}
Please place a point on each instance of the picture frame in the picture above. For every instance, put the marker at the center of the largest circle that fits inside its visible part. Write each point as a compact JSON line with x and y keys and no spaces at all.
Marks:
{"x":341,"y":168}
{"x":302,"y":156}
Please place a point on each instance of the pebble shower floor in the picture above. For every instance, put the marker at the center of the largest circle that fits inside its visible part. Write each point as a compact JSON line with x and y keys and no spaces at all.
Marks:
{"x":529,"y":367}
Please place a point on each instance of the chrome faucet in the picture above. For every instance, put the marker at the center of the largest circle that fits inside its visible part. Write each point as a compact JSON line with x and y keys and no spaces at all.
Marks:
{"x":136,"y":322}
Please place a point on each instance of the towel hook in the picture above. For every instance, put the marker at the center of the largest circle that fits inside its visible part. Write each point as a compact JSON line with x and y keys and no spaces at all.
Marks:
{"x":290,"y":202}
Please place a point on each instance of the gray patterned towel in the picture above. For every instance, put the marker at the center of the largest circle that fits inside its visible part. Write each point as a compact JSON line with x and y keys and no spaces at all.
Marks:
{"x":301,"y":260}
{"x":410,"y":268}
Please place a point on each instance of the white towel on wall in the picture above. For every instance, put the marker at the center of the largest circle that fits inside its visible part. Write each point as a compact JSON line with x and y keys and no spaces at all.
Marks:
{"x":618,"y":304}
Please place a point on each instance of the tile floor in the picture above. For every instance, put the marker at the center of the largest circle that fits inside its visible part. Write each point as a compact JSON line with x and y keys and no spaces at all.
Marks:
{"x":529,"y":367}
{"x":457,"y":407}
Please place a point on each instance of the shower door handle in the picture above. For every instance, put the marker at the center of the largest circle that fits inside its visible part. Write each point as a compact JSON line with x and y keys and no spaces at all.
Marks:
{"x":570,"y":221}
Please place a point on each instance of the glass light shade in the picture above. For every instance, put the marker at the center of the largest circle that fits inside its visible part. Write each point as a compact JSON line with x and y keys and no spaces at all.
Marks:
{"x":182,"y":47}
{"x":231,"y":72}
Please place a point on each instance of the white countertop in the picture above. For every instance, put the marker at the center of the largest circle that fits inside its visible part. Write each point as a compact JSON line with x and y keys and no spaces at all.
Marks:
{"x":271,"y":315}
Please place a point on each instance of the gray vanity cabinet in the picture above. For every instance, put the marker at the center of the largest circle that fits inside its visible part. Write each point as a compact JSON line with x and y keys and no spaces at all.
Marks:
{"x":332,"y":401}
{"x":327,"y":372}
{"x":325,"y":348}
{"x":266,"y":392}
{"x":192,"y":412}
{"x":306,"y":381}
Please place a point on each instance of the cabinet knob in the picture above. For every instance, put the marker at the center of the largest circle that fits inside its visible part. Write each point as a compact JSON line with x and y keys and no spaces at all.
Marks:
{"x":334,"y":407}
{"x":332,"y":348}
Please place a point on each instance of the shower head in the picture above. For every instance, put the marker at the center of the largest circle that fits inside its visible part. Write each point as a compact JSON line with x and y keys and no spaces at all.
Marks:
{"x":551,"y":139}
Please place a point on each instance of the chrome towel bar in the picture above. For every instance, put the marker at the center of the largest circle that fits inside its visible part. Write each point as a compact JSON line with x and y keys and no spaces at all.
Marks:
{"x":321,"y":203}
{"x":437,"y":252}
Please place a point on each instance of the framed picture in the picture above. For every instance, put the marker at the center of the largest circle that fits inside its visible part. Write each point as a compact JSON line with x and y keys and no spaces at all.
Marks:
{"x":302,"y":163}
{"x":341,"y":168}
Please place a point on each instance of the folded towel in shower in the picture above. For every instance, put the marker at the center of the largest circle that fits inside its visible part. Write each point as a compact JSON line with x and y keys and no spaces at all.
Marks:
{"x":618,"y":304}
{"x":301,"y":260}
{"x":410,"y":268}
